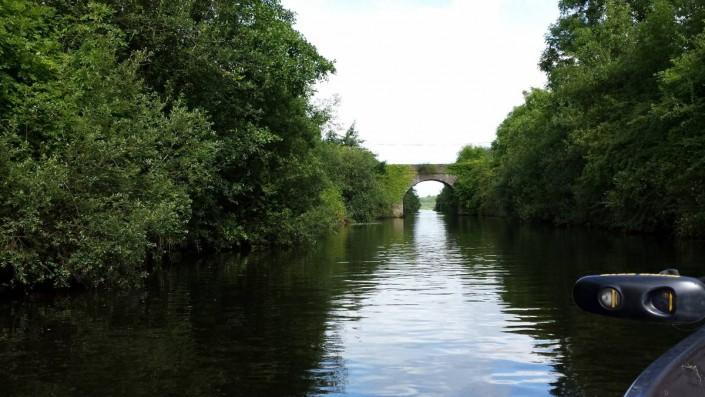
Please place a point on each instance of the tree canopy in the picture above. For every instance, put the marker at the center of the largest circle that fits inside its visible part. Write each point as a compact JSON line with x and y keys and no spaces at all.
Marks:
{"x":616,"y":138}
{"x":132,"y":129}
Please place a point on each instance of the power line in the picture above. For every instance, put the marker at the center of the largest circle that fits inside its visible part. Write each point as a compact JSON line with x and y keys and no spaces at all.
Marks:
{"x":430,"y":144}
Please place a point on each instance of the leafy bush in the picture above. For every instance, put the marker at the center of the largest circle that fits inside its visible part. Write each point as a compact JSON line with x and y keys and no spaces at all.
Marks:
{"x":97,"y":176}
{"x":412,"y":203}
{"x":446,"y":201}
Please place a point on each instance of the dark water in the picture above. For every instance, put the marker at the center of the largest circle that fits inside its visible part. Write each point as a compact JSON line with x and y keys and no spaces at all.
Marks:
{"x":422,"y":307}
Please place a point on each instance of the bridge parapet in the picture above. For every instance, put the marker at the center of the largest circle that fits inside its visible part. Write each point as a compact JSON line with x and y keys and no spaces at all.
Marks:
{"x":429,"y":168}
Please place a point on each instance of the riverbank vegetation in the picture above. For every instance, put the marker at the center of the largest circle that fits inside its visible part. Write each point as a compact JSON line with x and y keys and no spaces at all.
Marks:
{"x":617,"y":138}
{"x":368,"y":188}
{"x":412,"y":203}
{"x":428,"y":202}
{"x":133,"y":129}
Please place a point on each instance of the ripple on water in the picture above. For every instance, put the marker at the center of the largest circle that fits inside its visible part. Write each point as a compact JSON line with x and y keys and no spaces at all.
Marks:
{"x":431,"y":321}
{"x":420,"y":307}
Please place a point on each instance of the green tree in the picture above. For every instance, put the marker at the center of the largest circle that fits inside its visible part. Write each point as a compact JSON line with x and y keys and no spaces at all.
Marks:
{"x":252,"y":73}
{"x":681,"y":115}
{"x":412,"y":203}
{"x":446,"y":201}
{"x":614,"y":140}
{"x":133,"y":128}
{"x":356,"y":174}
{"x":97,"y":177}
{"x":475,"y":181}
{"x":350,"y":138}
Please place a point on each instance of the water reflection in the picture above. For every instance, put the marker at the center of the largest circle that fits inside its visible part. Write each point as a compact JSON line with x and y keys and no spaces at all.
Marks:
{"x":427,"y":306}
{"x":431,"y":322}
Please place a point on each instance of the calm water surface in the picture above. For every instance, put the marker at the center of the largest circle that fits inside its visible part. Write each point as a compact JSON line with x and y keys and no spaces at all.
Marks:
{"x":430,"y":306}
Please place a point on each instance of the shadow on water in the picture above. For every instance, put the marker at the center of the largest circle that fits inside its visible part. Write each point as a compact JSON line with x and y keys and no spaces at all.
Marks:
{"x":253,"y":326}
{"x":219,"y":327}
{"x":592,"y":355}
{"x":425,"y":306}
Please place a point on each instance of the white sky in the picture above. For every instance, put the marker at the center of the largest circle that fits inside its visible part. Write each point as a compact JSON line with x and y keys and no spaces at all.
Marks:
{"x":422,"y":78}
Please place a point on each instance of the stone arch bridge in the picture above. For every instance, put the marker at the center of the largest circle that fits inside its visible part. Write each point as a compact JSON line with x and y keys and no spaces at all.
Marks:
{"x":423,"y":173}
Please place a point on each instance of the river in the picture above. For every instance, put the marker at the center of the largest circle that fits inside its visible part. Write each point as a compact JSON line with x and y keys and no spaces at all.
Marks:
{"x":429,"y":306}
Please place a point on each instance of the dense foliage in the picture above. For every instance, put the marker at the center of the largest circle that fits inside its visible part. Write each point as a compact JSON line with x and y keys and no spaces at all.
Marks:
{"x":412,"y":203}
{"x":368,"y":187}
{"x":446,"y":201}
{"x":96,"y":174}
{"x":617,"y":138}
{"x":473,"y":171}
{"x":129,"y":129}
{"x":355,"y":173}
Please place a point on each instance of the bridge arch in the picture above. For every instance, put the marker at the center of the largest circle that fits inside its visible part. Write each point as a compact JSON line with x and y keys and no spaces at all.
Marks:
{"x":422,"y":173}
